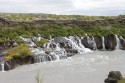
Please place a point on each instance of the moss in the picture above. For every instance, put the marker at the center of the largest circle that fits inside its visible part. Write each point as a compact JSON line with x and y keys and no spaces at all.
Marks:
{"x":1,"y":40}
{"x":40,"y":43}
{"x":20,"y":51}
{"x":19,"y":41}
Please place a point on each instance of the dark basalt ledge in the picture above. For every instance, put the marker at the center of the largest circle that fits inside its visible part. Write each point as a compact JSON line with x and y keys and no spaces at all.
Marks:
{"x":11,"y":64}
{"x":113,"y":77}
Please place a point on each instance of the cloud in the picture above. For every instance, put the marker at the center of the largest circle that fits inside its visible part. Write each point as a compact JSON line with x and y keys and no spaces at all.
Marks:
{"x":80,"y":7}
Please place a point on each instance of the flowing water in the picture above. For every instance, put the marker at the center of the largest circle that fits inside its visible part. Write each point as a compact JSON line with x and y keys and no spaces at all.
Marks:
{"x":90,"y":67}
{"x":117,"y":43}
{"x":103,"y":43}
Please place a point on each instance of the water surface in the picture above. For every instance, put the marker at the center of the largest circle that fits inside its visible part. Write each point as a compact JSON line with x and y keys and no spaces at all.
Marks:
{"x":86,"y":68}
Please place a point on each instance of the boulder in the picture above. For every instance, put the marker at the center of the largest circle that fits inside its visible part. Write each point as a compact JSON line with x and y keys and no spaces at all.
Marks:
{"x":113,"y":77}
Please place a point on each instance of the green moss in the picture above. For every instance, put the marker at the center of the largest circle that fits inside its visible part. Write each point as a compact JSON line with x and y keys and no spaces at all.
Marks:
{"x":20,"y":51}
{"x":40,"y":43}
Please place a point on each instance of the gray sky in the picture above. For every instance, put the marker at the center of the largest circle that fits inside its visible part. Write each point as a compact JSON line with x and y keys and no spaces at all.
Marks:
{"x":79,"y":7}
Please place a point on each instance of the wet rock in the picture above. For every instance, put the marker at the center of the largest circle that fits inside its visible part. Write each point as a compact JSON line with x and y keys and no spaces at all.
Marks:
{"x":122,"y":41}
{"x":89,"y":42}
{"x":98,"y":41}
{"x":110,"y":42}
{"x":113,"y":77}
{"x":11,"y":64}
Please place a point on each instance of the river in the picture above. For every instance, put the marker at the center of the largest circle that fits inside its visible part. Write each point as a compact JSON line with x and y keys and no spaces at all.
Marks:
{"x":90,"y":67}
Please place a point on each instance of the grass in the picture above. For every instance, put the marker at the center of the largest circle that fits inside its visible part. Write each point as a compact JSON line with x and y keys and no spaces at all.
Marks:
{"x":38,"y":79}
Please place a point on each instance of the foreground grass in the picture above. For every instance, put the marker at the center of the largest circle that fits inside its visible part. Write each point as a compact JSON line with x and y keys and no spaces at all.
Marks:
{"x":38,"y":79}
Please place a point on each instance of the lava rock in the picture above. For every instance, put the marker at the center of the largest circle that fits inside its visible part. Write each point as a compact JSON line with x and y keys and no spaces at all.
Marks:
{"x":113,"y":77}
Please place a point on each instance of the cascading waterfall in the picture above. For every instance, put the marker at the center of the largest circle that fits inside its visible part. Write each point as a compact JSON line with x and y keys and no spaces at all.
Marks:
{"x":94,"y":43}
{"x":58,"y":53}
{"x":39,"y":55}
{"x":103,"y":43}
{"x":76,"y":44}
{"x":2,"y":66}
{"x":117,"y":43}
{"x":88,"y":39}
{"x":55,"y":53}
{"x":28,"y":41}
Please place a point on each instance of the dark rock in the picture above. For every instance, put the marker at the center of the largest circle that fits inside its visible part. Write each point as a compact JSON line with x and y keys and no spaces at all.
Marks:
{"x":113,"y":77}
{"x":111,"y":80}
{"x":60,"y":40}
{"x":110,"y":42}
{"x":11,"y":64}
{"x":122,"y":41}
{"x":88,"y":42}
{"x":98,"y":41}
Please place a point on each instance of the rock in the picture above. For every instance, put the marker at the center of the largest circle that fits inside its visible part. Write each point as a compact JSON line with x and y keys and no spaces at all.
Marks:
{"x":110,"y":42}
{"x":122,"y":41}
{"x":113,"y":77}
{"x":11,"y":64}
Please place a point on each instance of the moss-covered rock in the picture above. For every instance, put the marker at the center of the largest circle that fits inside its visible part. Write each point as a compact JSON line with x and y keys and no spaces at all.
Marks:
{"x":20,"y":51}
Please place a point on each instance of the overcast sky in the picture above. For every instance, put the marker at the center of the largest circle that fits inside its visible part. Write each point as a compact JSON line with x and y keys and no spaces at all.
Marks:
{"x":78,"y":7}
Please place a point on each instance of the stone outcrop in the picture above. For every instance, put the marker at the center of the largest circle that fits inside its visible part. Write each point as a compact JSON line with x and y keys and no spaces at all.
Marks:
{"x":11,"y":64}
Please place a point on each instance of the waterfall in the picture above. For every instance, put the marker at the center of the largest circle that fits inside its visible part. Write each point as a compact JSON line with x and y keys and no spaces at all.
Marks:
{"x":103,"y":43}
{"x":58,"y":52}
{"x":117,"y":43}
{"x":28,"y":41}
{"x":88,"y":39}
{"x":75,"y":43}
{"x":2,"y":66}
{"x":94,"y":43}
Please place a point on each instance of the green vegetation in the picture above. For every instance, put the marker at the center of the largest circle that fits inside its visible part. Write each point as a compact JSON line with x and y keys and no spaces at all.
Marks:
{"x":122,"y":81}
{"x":20,"y":51}
{"x":109,"y":27}
{"x":40,"y":43}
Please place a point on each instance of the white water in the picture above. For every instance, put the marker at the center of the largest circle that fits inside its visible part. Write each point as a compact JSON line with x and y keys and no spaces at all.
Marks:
{"x":77,"y":45}
{"x":117,"y":43}
{"x":95,"y":46}
{"x":103,"y":43}
{"x":90,"y":67}
{"x":2,"y":66}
